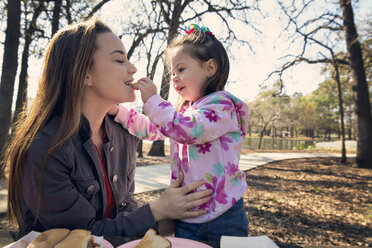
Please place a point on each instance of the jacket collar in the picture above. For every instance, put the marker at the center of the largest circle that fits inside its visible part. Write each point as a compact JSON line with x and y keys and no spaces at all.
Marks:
{"x":86,"y":131}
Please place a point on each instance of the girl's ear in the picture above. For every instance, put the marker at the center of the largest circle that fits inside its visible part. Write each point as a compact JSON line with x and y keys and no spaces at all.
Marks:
{"x":211,"y":67}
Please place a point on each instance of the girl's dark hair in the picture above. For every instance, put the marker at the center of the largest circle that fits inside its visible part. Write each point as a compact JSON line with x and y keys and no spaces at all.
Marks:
{"x":67,"y":61}
{"x":203,"y":47}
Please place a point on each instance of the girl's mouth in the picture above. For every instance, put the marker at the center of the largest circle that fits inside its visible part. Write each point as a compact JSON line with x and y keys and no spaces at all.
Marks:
{"x":179,"y":89}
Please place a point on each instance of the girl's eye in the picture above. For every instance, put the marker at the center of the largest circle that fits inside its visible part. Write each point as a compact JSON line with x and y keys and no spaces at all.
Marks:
{"x":120,"y":61}
{"x":181,"y":69}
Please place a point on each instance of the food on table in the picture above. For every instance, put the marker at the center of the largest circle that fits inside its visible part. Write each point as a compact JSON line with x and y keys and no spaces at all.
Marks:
{"x":49,"y":238}
{"x":63,"y":238}
{"x":153,"y":240}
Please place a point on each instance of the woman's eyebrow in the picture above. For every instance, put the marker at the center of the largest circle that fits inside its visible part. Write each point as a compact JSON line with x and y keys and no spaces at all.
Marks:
{"x":118,"y":51}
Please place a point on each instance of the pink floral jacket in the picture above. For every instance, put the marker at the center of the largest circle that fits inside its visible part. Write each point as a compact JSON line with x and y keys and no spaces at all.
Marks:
{"x":205,"y":143}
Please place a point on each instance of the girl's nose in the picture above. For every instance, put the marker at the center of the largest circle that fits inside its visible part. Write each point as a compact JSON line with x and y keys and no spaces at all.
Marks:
{"x":175,"y":79}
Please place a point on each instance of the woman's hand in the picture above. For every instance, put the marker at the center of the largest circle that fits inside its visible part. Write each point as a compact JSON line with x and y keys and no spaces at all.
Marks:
{"x":176,"y":202}
{"x":147,"y":88}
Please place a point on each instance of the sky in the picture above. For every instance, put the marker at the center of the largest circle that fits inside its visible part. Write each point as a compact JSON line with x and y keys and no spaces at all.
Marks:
{"x":248,"y":69}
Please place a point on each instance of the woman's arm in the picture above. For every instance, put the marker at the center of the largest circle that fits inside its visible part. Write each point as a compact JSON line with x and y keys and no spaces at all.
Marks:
{"x":63,"y":204}
{"x":176,"y":202}
{"x":64,"y":200}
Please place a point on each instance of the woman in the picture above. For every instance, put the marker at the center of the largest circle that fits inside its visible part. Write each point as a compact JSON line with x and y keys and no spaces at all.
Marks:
{"x":69,"y":164}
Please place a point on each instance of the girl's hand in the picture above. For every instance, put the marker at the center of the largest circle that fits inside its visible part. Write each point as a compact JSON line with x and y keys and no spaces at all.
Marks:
{"x":176,"y":202}
{"x":147,"y":88}
{"x":113,"y":110}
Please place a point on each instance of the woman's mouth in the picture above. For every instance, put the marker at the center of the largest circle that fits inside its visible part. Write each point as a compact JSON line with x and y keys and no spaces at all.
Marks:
{"x":130,"y":82}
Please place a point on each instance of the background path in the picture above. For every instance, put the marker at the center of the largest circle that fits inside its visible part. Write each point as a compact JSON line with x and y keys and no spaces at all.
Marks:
{"x":157,"y":177}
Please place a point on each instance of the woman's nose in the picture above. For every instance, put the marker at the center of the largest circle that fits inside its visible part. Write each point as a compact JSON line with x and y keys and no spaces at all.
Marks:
{"x":132,"y":69}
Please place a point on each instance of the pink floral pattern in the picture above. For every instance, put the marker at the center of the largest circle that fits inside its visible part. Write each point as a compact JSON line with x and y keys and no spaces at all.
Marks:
{"x":219,"y":194}
{"x":203,"y":148}
{"x":211,"y":116}
{"x":231,"y":169}
{"x":205,"y":143}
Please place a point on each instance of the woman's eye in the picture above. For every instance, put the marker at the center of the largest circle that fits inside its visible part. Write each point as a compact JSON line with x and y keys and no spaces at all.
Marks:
{"x":181,"y":69}
{"x":120,"y":61}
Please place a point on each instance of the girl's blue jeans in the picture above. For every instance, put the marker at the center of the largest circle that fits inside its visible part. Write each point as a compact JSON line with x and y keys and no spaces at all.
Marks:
{"x":234,"y":222}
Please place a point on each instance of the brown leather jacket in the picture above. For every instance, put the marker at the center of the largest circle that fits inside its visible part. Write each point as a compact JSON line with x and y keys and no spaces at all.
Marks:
{"x":73,"y":190}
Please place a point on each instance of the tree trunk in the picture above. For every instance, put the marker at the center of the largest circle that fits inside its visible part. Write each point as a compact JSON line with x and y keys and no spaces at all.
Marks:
{"x":139,"y":148}
{"x":349,"y":129}
{"x":9,"y":70}
{"x":363,"y":117}
{"x":56,"y":15}
{"x":157,"y":147}
{"x":21,"y":102}
{"x":261,"y":136}
{"x":341,"y":108}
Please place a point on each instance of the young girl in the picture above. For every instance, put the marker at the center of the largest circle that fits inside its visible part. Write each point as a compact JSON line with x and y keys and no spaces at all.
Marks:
{"x":206,"y":132}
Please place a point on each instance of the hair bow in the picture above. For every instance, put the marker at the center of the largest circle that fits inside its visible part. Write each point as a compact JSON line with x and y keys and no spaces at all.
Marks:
{"x":195,"y":27}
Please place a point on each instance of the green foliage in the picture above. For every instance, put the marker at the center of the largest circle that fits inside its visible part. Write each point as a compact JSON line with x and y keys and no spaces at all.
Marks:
{"x":316,"y":190}
{"x":274,"y":199}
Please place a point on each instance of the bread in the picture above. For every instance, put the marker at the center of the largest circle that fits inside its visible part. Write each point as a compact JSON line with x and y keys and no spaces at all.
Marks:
{"x":78,"y":238}
{"x":63,"y":238}
{"x":132,"y":83}
{"x":152,"y":240}
{"x":49,"y":238}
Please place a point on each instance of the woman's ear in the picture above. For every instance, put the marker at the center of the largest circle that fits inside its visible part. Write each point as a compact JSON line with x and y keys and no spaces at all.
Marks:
{"x":211,"y":68}
{"x":87,"y":81}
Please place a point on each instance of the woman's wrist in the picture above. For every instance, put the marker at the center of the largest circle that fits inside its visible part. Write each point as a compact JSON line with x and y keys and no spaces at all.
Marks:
{"x":156,"y":210}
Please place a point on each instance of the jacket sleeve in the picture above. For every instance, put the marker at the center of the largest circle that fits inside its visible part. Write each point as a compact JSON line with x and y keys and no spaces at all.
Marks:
{"x":138,"y":125}
{"x":212,"y":118}
{"x":61,"y":204}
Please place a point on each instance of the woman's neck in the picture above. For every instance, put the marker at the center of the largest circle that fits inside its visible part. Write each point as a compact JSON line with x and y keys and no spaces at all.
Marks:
{"x":95,"y":113}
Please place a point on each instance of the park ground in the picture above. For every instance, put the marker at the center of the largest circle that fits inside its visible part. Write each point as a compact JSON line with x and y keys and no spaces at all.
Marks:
{"x":304,"y":202}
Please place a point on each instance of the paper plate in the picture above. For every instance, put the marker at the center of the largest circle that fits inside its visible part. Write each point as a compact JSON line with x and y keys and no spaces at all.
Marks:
{"x":106,"y":244}
{"x":176,"y":243}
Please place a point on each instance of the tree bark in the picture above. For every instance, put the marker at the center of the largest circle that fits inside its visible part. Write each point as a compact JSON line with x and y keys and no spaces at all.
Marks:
{"x":363,"y":117}
{"x":157,"y":147}
{"x":21,"y":101}
{"x":9,"y":69}
{"x":140,"y":148}
{"x":341,"y":108}
{"x":56,"y":15}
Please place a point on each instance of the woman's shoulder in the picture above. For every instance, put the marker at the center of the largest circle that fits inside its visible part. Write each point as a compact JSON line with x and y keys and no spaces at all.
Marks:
{"x":44,"y":138}
{"x":46,"y":134}
{"x":114,"y":128}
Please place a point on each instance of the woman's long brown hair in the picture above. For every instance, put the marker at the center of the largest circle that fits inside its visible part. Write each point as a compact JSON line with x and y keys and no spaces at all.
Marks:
{"x":66,"y":63}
